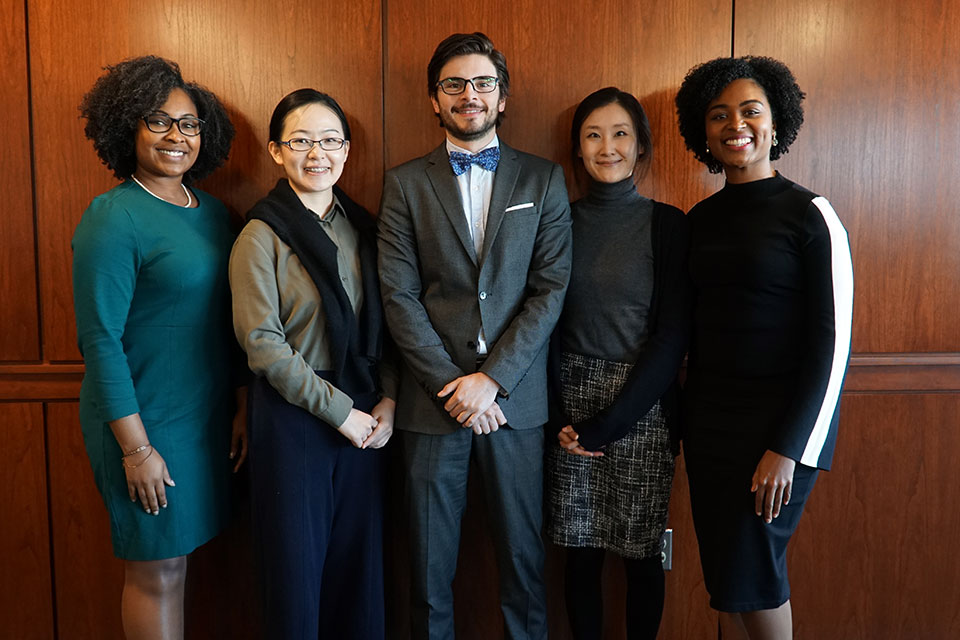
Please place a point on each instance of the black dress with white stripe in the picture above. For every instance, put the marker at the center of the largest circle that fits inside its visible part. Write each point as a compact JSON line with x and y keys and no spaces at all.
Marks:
{"x":773,"y":278}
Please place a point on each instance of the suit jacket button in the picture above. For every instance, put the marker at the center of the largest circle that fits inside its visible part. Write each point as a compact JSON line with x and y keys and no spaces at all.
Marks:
{"x":483,"y":295}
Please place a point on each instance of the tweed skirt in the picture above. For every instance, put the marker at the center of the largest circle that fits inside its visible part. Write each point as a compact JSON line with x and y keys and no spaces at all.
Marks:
{"x":617,"y":501}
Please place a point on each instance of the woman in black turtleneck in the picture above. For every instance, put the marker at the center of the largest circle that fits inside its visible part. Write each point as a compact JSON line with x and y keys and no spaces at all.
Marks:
{"x":616,"y":352}
{"x":770,"y":262}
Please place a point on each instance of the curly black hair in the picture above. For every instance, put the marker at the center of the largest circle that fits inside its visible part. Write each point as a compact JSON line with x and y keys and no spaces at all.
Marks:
{"x":706,"y":81}
{"x":134,"y":88}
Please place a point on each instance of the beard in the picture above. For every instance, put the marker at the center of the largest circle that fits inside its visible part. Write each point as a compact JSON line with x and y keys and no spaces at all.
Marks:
{"x":474,"y":131}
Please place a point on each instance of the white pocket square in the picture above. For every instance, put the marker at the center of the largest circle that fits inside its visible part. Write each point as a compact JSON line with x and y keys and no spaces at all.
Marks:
{"x":525,"y":205}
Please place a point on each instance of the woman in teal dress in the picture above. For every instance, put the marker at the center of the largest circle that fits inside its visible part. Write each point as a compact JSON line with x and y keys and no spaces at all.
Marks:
{"x":153,"y":322}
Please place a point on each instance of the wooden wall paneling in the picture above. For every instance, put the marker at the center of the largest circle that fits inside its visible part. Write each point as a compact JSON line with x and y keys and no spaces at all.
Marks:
{"x":250,"y":54}
{"x":20,"y":339}
{"x":26,"y":609}
{"x":222,"y":595}
{"x":557,"y":53}
{"x":874,"y":557}
{"x":89,"y":579}
{"x":276,"y":48}
{"x":880,"y":141}
{"x":68,"y":172}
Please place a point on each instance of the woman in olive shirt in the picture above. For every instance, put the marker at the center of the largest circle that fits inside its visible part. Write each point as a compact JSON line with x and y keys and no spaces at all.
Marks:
{"x":307,"y":312}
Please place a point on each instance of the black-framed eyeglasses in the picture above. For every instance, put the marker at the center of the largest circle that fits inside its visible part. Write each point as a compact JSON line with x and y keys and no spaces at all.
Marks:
{"x":161,"y":123}
{"x":480,"y":84}
{"x":305,"y":144}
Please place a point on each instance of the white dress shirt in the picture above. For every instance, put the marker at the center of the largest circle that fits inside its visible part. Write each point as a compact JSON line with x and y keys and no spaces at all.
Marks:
{"x":476,"y":186}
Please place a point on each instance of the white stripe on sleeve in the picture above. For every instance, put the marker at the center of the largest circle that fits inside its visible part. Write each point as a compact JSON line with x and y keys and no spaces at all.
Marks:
{"x":841,"y":268}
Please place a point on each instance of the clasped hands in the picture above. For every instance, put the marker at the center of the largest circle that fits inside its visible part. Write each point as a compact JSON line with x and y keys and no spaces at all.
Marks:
{"x":472,"y":402}
{"x":370,"y":430}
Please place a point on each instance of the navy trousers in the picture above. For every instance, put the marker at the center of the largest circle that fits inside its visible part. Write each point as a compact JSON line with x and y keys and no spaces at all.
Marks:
{"x":317,"y":523}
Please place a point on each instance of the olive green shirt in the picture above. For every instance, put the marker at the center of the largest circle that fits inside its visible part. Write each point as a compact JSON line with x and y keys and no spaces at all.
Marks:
{"x":278,"y":315}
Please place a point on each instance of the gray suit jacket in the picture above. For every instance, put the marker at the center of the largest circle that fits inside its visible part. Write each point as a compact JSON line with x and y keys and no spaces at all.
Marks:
{"x":436,"y":292}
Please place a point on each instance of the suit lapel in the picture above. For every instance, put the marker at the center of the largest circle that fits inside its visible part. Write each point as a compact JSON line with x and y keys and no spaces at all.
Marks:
{"x":445,"y":186}
{"x":503,"y":183}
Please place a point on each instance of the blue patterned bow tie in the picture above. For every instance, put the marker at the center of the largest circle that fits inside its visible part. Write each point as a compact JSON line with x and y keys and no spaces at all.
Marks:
{"x":486,"y":159}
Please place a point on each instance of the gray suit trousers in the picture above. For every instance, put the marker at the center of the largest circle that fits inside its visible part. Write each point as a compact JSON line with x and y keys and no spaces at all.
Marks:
{"x":510,"y":466}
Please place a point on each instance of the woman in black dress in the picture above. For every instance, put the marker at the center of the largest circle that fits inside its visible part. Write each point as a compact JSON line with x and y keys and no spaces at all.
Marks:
{"x":773,"y":280}
{"x":618,"y":346}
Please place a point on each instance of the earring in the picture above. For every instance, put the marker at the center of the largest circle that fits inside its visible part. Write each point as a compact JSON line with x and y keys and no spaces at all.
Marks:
{"x":775,"y":141}
{"x":706,"y":145}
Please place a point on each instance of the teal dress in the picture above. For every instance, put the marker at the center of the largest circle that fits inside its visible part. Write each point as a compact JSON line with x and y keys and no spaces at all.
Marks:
{"x":153,"y":322}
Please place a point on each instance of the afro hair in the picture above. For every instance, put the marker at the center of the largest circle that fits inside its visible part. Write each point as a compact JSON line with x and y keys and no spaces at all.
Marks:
{"x":134,"y":88}
{"x":706,"y":81}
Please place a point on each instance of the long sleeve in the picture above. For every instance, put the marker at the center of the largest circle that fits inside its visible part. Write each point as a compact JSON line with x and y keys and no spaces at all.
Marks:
{"x":657,"y":366}
{"x":106,"y":261}
{"x":257,"y":308}
{"x":808,"y":433}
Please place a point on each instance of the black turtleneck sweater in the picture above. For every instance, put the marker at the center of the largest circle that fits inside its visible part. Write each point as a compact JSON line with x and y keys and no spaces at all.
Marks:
{"x":774,"y":295}
{"x":611,"y":280}
{"x":628,"y":301}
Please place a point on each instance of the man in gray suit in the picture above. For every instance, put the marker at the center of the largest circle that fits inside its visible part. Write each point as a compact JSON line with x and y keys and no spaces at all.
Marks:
{"x":474,"y":262}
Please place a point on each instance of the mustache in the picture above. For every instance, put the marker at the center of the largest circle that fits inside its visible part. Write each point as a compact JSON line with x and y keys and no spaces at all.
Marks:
{"x":470,"y":105}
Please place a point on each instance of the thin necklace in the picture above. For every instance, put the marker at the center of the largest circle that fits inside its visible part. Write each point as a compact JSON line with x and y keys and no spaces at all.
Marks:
{"x":183,"y":186}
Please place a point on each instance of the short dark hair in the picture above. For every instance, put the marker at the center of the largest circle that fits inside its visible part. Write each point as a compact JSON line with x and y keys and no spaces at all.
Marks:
{"x":299,"y":98}
{"x":464,"y":44}
{"x":134,"y":88}
{"x":641,"y":125}
{"x":706,"y":81}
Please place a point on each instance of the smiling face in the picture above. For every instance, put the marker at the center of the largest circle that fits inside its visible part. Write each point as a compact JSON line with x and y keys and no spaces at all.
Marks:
{"x":313,"y":172}
{"x":470,"y":118}
{"x":740,"y":129}
{"x":169,"y":154}
{"x":608,"y":144}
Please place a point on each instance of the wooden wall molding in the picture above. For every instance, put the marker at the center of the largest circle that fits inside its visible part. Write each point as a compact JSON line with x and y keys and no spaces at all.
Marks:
{"x":39,"y":382}
{"x":868,"y":373}
{"x":903,"y":373}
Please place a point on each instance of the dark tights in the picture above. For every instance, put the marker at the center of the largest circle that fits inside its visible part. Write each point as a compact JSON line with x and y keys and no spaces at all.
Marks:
{"x":645,"y":586}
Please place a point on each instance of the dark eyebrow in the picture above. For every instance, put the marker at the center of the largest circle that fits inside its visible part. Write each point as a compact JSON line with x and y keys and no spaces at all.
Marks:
{"x":304,"y":132}
{"x":619,"y":124}
{"x":742,"y":104}
{"x":164,"y":113}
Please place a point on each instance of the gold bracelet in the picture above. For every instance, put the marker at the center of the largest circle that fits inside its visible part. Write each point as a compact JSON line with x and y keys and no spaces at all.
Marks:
{"x":134,"y":451}
{"x":134,"y":466}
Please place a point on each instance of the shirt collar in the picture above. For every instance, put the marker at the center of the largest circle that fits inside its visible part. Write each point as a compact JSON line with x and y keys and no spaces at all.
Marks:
{"x":334,"y":210}
{"x":452,"y":147}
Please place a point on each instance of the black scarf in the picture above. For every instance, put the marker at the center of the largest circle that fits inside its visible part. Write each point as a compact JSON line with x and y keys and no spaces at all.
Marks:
{"x":355,"y":344}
